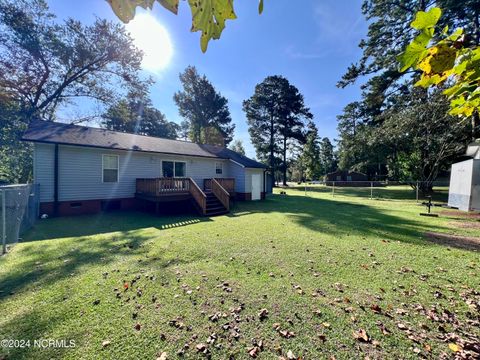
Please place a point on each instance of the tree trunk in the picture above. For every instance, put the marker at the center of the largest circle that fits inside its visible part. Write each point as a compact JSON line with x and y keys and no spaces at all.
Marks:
{"x":272,"y":156}
{"x":284,"y":167}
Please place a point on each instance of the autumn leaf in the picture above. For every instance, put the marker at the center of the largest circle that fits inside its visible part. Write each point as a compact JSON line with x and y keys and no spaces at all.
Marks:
{"x":454,"y":347}
{"x":361,"y":335}
{"x":105,"y":343}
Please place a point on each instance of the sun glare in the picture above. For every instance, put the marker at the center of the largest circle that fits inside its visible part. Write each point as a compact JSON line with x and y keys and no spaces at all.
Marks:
{"x":153,"y":39}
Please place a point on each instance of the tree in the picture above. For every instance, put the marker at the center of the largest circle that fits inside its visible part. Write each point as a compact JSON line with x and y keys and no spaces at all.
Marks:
{"x":238,"y":147}
{"x":310,"y":158}
{"x":205,"y":109}
{"x":291,"y":122}
{"x":426,"y":137}
{"x":15,"y":156}
{"x":184,"y":130}
{"x":455,"y":56}
{"x":140,"y":117}
{"x":327,"y":156}
{"x":363,"y":148}
{"x":207,"y":16}
{"x":45,"y":64}
{"x":275,"y":115}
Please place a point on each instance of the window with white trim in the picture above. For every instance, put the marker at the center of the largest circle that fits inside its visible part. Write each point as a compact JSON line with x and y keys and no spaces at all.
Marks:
{"x":174,"y":169}
{"x":110,"y":168}
{"x":219,"y":168}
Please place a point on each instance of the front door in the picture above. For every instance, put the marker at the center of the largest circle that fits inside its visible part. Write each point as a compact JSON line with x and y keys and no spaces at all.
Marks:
{"x":256,"y":186}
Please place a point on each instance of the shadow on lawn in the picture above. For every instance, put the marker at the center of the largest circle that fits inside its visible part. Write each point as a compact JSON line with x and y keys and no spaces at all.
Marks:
{"x":116,"y":234}
{"x":105,"y":222}
{"x":342,"y":218}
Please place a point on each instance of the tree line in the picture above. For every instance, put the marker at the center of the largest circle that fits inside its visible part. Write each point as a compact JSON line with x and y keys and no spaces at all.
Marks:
{"x":396,"y":130}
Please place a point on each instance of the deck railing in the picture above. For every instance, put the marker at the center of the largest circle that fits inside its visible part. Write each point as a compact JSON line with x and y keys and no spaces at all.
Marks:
{"x":163,"y":186}
{"x":199,"y":196}
{"x":227,"y":183}
{"x":221,"y":193}
{"x":173,"y":186}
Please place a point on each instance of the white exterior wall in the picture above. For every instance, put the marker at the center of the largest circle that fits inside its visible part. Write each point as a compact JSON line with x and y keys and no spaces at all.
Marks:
{"x":80,"y":171}
{"x":460,"y":190}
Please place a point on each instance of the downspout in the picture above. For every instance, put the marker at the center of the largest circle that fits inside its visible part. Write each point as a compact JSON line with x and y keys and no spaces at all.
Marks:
{"x":55,"y":182}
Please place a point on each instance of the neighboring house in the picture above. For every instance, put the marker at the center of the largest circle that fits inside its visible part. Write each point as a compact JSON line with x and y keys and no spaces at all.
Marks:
{"x":349,"y":178}
{"x":84,"y":170}
{"x":464,"y":189}
{"x":345,"y":175}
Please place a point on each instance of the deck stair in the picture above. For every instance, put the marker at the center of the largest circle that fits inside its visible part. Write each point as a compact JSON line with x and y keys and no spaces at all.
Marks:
{"x":214,"y":206}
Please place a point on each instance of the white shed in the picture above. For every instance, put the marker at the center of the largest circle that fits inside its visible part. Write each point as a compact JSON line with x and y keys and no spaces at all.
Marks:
{"x":464,"y":190}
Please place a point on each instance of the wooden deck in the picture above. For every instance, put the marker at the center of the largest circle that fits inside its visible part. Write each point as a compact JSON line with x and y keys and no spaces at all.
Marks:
{"x":159,"y":190}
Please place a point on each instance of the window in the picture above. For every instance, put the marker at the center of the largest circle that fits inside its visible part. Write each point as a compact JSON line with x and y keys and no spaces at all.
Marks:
{"x":167,"y":168}
{"x":218,"y":168}
{"x":180,"y":169}
{"x":174,"y":168}
{"x":110,"y":168}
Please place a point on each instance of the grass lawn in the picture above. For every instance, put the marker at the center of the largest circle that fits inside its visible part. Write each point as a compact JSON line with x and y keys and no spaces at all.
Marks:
{"x":339,"y":276}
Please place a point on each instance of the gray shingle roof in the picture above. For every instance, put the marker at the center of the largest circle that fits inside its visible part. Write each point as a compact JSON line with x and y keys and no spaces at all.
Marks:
{"x":59,"y":133}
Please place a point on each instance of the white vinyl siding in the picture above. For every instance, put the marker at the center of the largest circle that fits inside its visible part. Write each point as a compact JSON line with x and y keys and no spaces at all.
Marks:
{"x":81,"y":171}
{"x":44,"y":161}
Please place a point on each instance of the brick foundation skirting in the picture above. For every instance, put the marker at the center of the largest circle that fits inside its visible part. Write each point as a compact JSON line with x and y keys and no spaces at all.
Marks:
{"x":82,"y":207}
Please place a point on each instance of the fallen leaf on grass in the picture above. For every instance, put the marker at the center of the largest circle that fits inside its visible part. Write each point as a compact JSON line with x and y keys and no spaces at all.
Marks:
{"x":253,"y":351}
{"x":163,"y":356}
{"x":361,"y":335}
{"x":375,"y":308}
{"x":290,"y":355}
{"x":105,"y":343}
{"x":454,"y":347}
{"x":263,"y":314}
{"x":286,"y":334}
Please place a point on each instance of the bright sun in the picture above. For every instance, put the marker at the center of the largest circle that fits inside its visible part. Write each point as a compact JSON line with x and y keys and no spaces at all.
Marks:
{"x":153,"y":39}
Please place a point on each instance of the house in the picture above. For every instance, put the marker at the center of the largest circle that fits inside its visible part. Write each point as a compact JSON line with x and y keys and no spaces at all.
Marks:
{"x":346,"y":175}
{"x":464,"y":189}
{"x":83,"y":170}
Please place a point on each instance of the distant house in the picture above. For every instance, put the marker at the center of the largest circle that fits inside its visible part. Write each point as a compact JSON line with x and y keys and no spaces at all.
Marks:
{"x":84,"y":170}
{"x":346,"y":175}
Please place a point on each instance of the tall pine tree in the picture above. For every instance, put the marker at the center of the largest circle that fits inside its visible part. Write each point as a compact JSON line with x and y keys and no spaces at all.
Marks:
{"x":276,"y":114}
{"x":205,"y":109}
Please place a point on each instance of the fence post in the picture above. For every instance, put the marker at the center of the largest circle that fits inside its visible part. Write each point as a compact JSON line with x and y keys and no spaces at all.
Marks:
{"x":371,"y":190}
{"x":417,"y":192}
{"x":333,"y":188}
{"x":4,"y":224}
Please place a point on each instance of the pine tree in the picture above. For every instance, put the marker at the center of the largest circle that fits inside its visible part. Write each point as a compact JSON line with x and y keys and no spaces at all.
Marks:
{"x":205,"y":109}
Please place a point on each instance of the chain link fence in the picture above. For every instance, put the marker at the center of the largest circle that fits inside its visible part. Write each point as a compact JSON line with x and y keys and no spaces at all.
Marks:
{"x":19,"y":209}
{"x":388,"y":190}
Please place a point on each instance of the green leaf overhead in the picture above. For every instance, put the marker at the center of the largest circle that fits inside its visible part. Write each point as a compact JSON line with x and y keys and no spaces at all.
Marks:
{"x":260,"y":6}
{"x":425,"y":20}
{"x":209,"y":16}
{"x":125,"y":9}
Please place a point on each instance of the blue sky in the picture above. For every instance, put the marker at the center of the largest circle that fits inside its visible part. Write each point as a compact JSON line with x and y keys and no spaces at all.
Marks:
{"x":310,"y":42}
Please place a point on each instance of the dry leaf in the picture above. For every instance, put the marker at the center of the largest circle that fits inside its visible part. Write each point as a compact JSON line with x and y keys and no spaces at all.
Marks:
{"x":454,"y":347}
{"x":361,"y":335}
{"x":163,"y":356}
